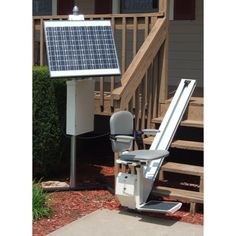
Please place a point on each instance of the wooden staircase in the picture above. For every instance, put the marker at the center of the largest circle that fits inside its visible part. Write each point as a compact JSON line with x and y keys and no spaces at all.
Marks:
{"x":183,"y":172}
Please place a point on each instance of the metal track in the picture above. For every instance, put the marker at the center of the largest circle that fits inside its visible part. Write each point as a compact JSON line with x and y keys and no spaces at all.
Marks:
{"x":168,"y":127}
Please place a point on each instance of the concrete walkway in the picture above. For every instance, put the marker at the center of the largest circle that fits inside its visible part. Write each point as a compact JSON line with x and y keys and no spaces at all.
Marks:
{"x":108,"y":223}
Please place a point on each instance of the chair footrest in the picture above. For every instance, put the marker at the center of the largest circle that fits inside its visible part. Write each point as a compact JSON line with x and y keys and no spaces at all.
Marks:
{"x":161,"y":206}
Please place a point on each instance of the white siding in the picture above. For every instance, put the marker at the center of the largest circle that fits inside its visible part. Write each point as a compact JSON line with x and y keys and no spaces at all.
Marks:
{"x":186,"y":48}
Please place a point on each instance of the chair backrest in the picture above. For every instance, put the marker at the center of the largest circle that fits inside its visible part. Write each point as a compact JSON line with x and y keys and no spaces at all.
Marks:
{"x":121,"y":123}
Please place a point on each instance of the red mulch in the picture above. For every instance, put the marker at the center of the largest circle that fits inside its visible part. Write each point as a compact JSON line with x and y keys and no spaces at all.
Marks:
{"x":70,"y":205}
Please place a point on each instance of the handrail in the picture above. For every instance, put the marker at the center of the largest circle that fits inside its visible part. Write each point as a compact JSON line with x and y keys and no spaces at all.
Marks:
{"x":140,"y":64}
{"x":99,"y":16}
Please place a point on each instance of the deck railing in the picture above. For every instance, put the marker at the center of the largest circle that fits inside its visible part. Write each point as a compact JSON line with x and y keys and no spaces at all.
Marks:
{"x":141,"y":42}
{"x":140,"y":84}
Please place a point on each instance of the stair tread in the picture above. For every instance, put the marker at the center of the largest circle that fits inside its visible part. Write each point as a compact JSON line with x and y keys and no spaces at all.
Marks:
{"x":199,"y":101}
{"x":182,"y":144}
{"x":179,"y":194}
{"x":189,"y":123}
{"x":182,"y":168}
{"x":189,"y":145}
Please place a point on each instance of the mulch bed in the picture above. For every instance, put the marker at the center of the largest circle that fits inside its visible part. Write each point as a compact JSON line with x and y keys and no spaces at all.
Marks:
{"x":70,"y":205}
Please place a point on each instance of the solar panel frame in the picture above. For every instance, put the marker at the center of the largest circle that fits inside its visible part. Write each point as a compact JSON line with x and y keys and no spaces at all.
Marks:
{"x":81,"y":48}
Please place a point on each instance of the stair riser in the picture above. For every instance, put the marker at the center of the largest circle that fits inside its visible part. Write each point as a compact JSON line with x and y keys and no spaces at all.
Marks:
{"x":182,"y":169}
{"x":193,"y":112}
{"x":178,"y":194}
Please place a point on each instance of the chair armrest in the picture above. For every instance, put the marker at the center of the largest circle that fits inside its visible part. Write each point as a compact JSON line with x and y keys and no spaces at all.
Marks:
{"x":144,"y":155}
{"x":131,"y":163}
{"x":150,"y":131}
{"x":123,"y":138}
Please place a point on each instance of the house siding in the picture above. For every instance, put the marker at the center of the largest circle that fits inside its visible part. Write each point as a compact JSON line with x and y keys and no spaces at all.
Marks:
{"x":86,"y":6}
{"x":186,"y":48}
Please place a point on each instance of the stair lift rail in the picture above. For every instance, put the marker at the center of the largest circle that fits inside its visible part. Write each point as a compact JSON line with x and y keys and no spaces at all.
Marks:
{"x":169,"y":125}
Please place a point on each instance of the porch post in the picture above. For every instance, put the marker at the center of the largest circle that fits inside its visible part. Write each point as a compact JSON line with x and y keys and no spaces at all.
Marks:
{"x":164,"y":6}
{"x":163,"y":56}
{"x":163,"y":70}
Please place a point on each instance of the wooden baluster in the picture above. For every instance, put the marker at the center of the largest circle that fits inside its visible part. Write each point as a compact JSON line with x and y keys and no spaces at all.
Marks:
{"x":112,"y":81}
{"x":137,"y":108}
{"x":144,"y":89}
{"x":163,"y":71}
{"x":150,"y":82}
{"x":163,"y":65}
{"x":155,"y":87}
{"x":150,"y":95}
{"x":123,"y":55}
{"x":41,"y":42}
{"x":135,"y":38}
{"x":135,"y":27}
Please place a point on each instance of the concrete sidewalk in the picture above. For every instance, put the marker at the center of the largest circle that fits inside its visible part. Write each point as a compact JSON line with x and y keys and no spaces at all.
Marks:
{"x":108,"y":223}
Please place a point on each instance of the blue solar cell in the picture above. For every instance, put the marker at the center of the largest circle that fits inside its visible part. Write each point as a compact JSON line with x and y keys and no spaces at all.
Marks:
{"x":82,"y":49}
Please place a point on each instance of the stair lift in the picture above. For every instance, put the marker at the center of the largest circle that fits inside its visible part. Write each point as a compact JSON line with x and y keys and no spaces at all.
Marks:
{"x":134,"y":187}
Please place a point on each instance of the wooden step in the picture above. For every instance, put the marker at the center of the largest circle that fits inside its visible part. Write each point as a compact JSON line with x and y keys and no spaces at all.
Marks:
{"x":194,"y":111}
{"x":178,"y":194}
{"x":187,"y":123}
{"x":181,"y":144}
{"x":197,"y":101}
{"x":187,"y":145}
{"x":182,"y":168}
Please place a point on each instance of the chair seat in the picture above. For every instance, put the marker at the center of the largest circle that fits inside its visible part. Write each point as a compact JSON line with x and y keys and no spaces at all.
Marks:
{"x":144,"y":155}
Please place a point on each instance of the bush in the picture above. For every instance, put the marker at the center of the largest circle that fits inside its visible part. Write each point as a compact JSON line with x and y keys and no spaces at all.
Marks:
{"x":40,"y":199}
{"x":49,"y":112}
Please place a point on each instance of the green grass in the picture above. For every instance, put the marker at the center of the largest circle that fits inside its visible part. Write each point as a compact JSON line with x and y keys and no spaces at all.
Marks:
{"x":40,"y":199}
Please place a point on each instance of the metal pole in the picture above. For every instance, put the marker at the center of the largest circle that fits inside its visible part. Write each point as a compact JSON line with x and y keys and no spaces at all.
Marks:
{"x":73,"y":162}
{"x":73,"y":142}
{"x":73,"y":137}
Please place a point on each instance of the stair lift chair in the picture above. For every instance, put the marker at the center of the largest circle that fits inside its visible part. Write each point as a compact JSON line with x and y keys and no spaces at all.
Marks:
{"x":133,"y":188}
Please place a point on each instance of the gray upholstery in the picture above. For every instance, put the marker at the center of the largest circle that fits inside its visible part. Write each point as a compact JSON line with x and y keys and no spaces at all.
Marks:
{"x":144,"y":155}
{"x":121,"y":126}
{"x":121,"y":123}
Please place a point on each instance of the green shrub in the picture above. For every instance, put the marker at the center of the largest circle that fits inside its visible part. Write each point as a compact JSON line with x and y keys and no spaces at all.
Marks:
{"x":49,"y":109}
{"x":40,"y":199}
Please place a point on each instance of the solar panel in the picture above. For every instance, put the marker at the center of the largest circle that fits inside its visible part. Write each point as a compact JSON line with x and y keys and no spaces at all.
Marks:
{"x":80,"y":48}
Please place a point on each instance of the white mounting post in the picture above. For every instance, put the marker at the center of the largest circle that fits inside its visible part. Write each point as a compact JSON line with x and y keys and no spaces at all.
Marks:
{"x":79,"y":115}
